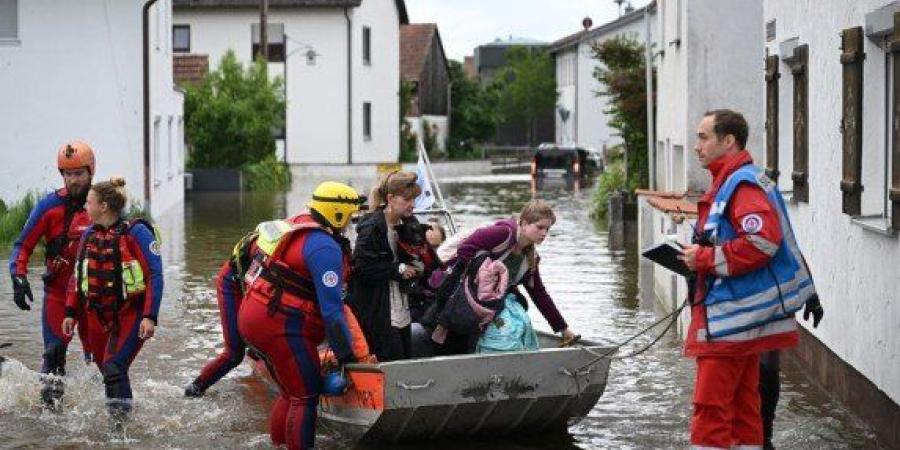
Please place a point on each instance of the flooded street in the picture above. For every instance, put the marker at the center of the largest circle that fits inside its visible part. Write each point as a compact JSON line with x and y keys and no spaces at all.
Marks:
{"x":646,"y":403}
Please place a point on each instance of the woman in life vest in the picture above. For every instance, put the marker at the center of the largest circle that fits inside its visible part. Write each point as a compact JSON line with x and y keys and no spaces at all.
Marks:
{"x":295,"y":286}
{"x":118,"y":282}
{"x":514,"y":243}
{"x":380,"y":304}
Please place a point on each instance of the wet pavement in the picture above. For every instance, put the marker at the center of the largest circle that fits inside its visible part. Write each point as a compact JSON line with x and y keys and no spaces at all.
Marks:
{"x":646,"y":403}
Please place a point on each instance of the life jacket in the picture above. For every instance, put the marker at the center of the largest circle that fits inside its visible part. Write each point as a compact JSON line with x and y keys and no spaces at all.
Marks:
{"x":61,"y":250}
{"x":282,"y":275}
{"x":108,"y":273}
{"x":762,"y":302}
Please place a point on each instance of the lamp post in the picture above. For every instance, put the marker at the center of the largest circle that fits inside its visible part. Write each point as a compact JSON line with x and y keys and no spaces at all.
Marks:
{"x":310,"y":61}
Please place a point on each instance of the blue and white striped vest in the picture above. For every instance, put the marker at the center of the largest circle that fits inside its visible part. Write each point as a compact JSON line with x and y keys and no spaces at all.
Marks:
{"x":762,"y":302}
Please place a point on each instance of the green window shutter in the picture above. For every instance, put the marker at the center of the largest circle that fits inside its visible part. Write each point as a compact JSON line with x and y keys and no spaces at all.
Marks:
{"x":852,"y":57}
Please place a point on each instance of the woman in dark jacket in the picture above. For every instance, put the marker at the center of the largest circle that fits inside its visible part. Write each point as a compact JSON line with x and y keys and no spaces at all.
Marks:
{"x":382,"y":309}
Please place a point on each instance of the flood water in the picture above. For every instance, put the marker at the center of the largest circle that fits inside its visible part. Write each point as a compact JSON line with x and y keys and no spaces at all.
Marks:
{"x":646,"y":403}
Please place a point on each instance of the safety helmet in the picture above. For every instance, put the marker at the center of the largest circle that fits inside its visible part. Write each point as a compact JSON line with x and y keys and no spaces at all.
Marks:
{"x":335,"y":203}
{"x":75,"y":155}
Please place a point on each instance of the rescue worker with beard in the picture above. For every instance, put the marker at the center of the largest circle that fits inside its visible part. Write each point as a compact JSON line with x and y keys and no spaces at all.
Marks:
{"x":59,"y":220}
{"x":118,"y":282}
{"x":294,"y":301}
{"x":750,"y":281}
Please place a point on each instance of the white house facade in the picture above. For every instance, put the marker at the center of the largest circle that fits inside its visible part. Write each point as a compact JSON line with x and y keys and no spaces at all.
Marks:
{"x":341,"y":69}
{"x":832,"y":90}
{"x":580,"y":114}
{"x":73,"y":70}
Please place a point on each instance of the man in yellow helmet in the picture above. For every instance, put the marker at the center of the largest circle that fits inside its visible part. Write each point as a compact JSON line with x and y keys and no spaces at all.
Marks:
{"x":293,"y":302}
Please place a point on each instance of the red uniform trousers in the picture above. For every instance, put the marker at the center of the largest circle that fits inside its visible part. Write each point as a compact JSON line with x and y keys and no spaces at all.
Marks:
{"x":287,"y":341}
{"x":726,"y":402}
{"x":55,"y":342}
{"x":229,"y":297}
{"x":114,"y":349}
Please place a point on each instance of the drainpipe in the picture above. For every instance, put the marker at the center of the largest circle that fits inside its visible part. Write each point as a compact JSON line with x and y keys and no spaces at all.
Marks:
{"x":651,"y":130}
{"x":146,"y":44}
{"x":349,"y":86}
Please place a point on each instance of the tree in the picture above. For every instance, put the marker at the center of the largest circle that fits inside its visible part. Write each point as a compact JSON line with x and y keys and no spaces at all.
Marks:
{"x":473,"y":118}
{"x":231,"y":114}
{"x":623,"y":73}
{"x":527,"y":87}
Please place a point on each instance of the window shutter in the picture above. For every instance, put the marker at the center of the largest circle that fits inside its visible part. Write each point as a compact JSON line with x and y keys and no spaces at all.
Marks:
{"x":894,"y":192}
{"x":772,"y":77}
{"x":801,"y":127}
{"x":852,"y":58}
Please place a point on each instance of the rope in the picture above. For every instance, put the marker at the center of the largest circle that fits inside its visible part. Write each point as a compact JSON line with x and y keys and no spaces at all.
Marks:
{"x":599,"y":357}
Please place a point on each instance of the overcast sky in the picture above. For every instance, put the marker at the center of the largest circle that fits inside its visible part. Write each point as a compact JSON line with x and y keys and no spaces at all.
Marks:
{"x":466,"y":24}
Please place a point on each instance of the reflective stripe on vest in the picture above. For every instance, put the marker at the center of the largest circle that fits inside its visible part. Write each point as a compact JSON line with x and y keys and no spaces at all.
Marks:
{"x":757,"y":303}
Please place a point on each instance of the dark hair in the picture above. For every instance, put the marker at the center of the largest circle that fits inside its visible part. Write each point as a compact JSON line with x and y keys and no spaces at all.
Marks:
{"x":726,"y":121}
{"x":112,"y":193}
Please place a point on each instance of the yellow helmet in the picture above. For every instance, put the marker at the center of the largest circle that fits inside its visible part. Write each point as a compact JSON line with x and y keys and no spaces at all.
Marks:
{"x":335,"y":203}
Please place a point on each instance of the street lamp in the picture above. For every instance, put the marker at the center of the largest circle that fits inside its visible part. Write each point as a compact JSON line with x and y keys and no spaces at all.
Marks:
{"x":311,"y":56}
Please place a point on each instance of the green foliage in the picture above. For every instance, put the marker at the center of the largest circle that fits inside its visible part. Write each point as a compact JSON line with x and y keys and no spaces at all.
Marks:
{"x":270,"y":174}
{"x":407,"y":137}
{"x":527,"y":87}
{"x":623,"y":72}
{"x":13,"y":218}
{"x":473,"y":116}
{"x":612,"y":179}
{"x":231,"y":113}
{"x":137,"y":211}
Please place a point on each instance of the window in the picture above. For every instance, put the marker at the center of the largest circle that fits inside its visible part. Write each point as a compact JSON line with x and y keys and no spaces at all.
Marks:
{"x":9,"y":20}
{"x":171,"y":144}
{"x":678,"y":171}
{"x":181,"y":38}
{"x":275,"y":38}
{"x":367,"y":45}
{"x":800,"y":174}
{"x":367,"y":121}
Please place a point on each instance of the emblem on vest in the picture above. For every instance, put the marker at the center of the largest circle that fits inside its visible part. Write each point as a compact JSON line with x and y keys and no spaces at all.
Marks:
{"x":752,"y":223}
{"x":330,"y":279}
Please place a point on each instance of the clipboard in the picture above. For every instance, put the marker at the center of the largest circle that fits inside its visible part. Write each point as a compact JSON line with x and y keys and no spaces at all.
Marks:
{"x":666,"y":255}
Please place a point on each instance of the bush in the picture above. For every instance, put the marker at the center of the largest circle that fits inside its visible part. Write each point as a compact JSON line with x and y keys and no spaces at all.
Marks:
{"x":270,"y":174}
{"x":13,"y":218}
{"x":611,"y":180}
{"x":231,"y":114}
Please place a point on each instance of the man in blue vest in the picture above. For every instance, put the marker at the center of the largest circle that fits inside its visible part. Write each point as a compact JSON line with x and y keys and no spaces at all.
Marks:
{"x":750,"y":281}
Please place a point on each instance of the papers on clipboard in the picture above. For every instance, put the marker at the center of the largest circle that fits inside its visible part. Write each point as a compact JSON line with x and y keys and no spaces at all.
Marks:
{"x":666,"y":254}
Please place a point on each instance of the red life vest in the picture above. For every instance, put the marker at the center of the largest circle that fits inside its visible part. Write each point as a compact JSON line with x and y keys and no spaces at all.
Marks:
{"x":278,"y":275}
{"x":108,"y":274}
{"x":62,"y":248}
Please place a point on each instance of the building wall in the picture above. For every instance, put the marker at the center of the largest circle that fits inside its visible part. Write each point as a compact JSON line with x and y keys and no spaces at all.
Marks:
{"x":378,"y":83}
{"x":433,"y":82}
{"x":317,"y":115}
{"x":671,"y":95}
{"x":855,"y":269}
{"x":592,"y":128}
{"x":75,"y":73}
{"x":567,"y":89}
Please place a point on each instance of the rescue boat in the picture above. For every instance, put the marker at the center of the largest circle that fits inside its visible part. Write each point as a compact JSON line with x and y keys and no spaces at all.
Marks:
{"x":473,"y":395}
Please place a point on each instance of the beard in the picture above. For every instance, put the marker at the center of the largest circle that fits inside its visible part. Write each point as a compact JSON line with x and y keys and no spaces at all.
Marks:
{"x":78,"y":192}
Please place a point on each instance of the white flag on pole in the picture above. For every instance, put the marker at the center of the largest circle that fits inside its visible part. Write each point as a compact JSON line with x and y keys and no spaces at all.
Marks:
{"x":426,"y":198}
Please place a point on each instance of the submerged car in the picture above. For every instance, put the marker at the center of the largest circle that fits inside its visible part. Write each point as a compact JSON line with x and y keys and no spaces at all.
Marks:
{"x":567,"y":160}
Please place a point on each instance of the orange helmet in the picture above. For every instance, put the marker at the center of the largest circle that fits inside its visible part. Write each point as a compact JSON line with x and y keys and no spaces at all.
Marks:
{"x":75,"y":155}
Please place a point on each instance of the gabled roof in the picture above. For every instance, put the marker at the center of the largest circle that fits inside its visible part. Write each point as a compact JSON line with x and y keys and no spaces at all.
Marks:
{"x":585,"y":35}
{"x":201,"y":4}
{"x":415,"y":44}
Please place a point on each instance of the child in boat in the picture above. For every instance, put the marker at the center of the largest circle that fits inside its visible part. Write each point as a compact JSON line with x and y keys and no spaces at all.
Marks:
{"x":119,"y":282}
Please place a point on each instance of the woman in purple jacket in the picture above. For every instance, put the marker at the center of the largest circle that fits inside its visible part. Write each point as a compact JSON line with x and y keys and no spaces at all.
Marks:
{"x":514,"y":242}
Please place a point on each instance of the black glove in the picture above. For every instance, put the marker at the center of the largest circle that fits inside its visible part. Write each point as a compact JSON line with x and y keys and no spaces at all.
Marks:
{"x":22,"y":289}
{"x":815,"y":308}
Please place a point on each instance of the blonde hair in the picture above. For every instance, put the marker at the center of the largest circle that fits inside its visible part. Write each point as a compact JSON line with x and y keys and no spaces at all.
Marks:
{"x":535,"y":211}
{"x":112,"y":192}
{"x":395,"y":183}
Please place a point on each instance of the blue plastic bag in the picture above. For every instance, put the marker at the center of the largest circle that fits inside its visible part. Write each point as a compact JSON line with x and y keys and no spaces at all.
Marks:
{"x":510,"y":332}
